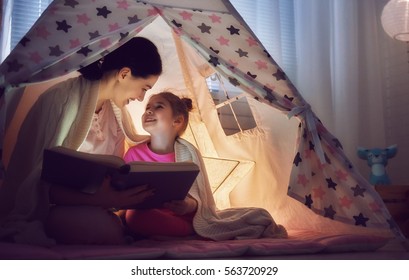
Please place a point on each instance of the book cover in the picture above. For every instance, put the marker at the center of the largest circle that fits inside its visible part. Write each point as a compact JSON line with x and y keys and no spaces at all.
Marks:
{"x":85,"y":172}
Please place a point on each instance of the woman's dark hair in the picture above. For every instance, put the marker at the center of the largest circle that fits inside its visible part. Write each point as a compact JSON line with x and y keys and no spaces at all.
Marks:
{"x":180,"y":106}
{"x":139,"y":54}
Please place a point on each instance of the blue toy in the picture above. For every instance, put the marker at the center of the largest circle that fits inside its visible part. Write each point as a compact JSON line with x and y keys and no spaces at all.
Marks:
{"x":378,"y":159}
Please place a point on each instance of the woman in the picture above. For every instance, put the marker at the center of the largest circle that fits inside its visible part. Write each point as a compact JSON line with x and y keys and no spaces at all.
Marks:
{"x":86,"y":113}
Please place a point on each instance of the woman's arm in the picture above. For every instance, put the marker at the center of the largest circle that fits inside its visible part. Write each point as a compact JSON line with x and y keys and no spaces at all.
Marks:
{"x":106,"y":196}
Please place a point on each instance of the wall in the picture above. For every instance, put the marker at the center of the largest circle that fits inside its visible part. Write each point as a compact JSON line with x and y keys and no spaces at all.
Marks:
{"x":396,"y":104}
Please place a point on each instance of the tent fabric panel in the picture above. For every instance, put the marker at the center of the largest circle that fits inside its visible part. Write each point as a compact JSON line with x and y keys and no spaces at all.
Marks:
{"x":225,"y":43}
{"x":108,"y":24}
{"x":74,"y":34}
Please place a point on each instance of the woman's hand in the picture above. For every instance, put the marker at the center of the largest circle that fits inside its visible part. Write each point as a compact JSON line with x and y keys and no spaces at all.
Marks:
{"x":106,"y":196}
{"x":110,"y":197}
{"x":182,"y":207}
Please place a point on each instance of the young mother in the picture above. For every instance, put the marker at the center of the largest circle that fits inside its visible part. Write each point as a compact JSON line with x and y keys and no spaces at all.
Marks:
{"x":86,"y":113}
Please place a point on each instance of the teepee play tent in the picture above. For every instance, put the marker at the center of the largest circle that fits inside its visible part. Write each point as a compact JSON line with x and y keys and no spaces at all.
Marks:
{"x":285,"y":160}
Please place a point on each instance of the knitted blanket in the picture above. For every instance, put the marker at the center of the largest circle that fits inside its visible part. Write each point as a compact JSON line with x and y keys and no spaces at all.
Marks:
{"x":234,"y":223}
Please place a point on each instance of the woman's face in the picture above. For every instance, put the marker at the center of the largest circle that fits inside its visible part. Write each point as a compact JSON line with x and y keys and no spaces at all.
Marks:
{"x":131,"y":88}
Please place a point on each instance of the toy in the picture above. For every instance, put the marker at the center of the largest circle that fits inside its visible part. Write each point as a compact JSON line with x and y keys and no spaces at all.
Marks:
{"x":377,"y":159}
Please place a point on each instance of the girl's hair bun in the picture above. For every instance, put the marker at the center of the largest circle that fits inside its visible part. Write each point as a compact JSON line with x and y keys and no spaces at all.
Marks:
{"x":188,"y":103}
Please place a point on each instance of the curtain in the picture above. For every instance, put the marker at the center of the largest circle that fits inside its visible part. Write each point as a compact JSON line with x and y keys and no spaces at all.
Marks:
{"x":5,"y":19}
{"x":338,"y":56}
{"x":17,"y":18}
{"x":339,"y":70}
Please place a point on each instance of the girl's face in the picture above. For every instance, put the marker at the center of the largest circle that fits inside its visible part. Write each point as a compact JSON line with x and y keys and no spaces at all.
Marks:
{"x":131,"y":88}
{"x":158,"y":116}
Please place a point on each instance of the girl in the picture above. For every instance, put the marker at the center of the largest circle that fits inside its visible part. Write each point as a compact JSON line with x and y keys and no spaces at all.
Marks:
{"x":165,"y":119}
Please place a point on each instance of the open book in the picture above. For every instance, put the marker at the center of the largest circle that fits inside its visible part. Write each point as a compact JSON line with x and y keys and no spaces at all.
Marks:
{"x":86,"y":172}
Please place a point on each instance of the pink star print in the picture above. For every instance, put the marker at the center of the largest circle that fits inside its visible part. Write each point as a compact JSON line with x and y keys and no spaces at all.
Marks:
{"x":113,"y":27}
{"x":35,"y":57}
{"x":261,"y":64}
{"x":84,"y":19}
{"x":345,"y":202}
{"x":341,"y":175}
{"x":186,"y":15}
{"x":154,"y":12}
{"x":223,"y":41}
{"x":251,"y":41}
{"x":320,"y":164}
{"x":42,"y":32}
{"x":302,"y":179}
{"x":196,"y":38}
{"x":74,"y":43}
{"x":375,"y":206}
{"x":215,"y":18}
{"x":52,"y":10}
{"x":177,"y":31}
{"x":105,"y":43}
{"x":318,"y":192}
{"x":233,"y":63}
{"x":307,"y":153}
{"x":123,"y":4}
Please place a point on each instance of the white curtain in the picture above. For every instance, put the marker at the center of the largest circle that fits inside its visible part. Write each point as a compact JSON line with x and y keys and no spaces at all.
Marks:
{"x":339,"y":70}
{"x":17,"y":18}
{"x":336,"y":53}
{"x":5,"y":25}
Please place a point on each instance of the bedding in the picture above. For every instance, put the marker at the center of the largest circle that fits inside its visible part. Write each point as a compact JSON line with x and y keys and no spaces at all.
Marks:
{"x":299,"y":242}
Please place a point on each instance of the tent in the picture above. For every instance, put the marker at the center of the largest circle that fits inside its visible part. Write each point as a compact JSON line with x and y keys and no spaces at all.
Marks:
{"x":287,"y":163}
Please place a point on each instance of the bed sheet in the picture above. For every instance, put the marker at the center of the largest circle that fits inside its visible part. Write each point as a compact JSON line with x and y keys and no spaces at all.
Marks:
{"x":299,"y":242}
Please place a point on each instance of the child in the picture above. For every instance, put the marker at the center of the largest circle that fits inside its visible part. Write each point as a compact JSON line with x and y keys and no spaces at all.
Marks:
{"x":166,"y":118}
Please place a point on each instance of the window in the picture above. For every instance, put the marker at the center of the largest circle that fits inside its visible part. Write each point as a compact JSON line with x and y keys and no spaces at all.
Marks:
{"x":23,"y":16}
{"x":232,"y":106}
{"x":19,"y":16}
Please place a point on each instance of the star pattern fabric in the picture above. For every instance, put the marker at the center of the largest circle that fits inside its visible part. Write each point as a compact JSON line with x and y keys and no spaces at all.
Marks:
{"x":80,"y":32}
{"x":76,"y":32}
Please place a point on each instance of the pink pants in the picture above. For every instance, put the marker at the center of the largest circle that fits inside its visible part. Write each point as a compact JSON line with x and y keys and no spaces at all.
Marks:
{"x":153,"y":222}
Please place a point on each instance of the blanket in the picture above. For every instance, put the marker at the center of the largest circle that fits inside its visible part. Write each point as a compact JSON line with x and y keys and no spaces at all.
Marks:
{"x":233,"y":223}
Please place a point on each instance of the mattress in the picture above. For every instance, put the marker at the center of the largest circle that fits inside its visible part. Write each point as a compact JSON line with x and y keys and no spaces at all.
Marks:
{"x":298,"y":243}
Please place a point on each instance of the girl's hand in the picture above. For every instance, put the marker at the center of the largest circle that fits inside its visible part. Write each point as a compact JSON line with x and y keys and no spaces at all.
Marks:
{"x":182,"y":207}
{"x":110,"y":197}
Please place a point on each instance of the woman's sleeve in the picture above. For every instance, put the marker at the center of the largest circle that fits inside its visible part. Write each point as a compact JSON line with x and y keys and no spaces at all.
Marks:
{"x":42,"y":128}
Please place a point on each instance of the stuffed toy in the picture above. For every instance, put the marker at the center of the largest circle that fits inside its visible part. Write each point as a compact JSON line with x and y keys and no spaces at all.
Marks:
{"x":378,"y":159}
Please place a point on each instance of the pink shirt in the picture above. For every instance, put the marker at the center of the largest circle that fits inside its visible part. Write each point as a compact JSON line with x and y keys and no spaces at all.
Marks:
{"x":160,"y":221}
{"x":141,"y":152}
